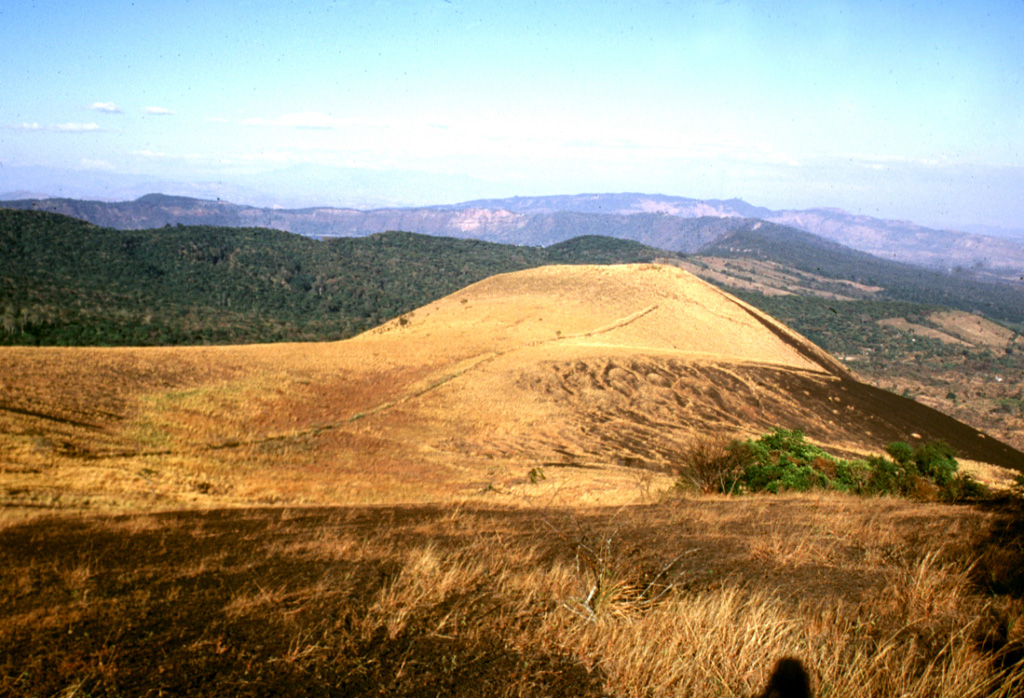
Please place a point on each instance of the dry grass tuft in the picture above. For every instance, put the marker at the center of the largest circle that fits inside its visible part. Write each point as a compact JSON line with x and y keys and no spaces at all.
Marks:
{"x":709,"y":463}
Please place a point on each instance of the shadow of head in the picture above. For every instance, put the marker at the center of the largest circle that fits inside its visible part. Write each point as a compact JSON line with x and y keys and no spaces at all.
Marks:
{"x":789,"y":680}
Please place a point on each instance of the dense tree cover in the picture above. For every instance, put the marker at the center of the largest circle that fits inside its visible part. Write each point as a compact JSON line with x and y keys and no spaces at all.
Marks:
{"x":851,"y":329}
{"x":67,"y":282}
{"x":844,"y":327}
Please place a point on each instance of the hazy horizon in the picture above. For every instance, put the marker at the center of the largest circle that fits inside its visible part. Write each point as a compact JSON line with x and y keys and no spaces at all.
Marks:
{"x":893,"y":110}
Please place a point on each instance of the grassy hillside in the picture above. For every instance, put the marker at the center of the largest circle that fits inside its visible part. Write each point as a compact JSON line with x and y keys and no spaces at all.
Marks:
{"x":66,"y":282}
{"x":592,"y":373}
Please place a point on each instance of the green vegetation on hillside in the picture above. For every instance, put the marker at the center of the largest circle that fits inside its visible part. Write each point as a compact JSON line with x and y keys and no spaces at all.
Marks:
{"x":851,"y":330}
{"x":845,"y":328}
{"x":900,"y":282}
{"x":67,"y":282}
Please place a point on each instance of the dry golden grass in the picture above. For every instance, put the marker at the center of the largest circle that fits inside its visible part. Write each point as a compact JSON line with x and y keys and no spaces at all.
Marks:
{"x":695,"y":596}
{"x":413,"y":406}
{"x":994,"y":477}
{"x":587,"y":368}
{"x":473,"y":502}
{"x":976,"y":330}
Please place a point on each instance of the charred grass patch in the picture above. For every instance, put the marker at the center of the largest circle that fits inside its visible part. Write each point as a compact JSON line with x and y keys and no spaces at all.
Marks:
{"x":695,"y":596}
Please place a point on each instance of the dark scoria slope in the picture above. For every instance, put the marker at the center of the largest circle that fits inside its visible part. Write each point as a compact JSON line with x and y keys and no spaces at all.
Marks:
{"x":620,"y":410}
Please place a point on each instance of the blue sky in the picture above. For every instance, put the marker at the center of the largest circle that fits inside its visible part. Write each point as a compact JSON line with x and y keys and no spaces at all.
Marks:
{"x":896,"y":110}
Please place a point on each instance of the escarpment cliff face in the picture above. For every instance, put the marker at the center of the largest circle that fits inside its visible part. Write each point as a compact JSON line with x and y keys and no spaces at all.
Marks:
{"x":593,"y":367}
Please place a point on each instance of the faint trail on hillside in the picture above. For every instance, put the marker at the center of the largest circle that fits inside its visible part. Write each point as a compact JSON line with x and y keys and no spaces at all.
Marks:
{"x":622,"y":322}
{"x":434,"y":385}
{"x":51,"y":418}
{"x":475,"y":363}
{"x":491,"y":356}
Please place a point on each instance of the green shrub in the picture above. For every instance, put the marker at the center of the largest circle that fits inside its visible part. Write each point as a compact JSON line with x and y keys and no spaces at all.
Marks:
{"x":790,"y":444}
{"x":962,"y":486}
{"x":802,"y":478}
{"x":853,"y":476}
{"x":936,"y":460}
{"x":900,"y":451}
{"x":887,"y":477}
{"x":782,"y":460}
{"x":758,"y":477}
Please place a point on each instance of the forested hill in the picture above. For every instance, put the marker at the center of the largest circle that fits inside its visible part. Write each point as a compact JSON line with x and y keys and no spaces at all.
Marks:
{"x":67,"y":282}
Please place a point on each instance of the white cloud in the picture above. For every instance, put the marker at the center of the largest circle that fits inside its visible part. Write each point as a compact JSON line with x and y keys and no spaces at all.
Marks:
{"x":270,"y":156}
{"x":60,"y":128}
{"x":158,"y":111}
{"x":76,"y":128}
{"x":107,"y":107}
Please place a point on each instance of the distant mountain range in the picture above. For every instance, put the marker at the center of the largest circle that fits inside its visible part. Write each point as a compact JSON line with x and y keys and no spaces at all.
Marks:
{"x":668,"y":222}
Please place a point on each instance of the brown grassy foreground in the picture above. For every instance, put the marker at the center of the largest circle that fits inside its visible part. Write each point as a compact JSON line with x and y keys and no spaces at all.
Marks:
{"x":684,"y":597}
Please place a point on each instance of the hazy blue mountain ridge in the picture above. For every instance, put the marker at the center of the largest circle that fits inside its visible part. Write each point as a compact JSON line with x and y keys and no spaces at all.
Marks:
{"x":669,"y":222}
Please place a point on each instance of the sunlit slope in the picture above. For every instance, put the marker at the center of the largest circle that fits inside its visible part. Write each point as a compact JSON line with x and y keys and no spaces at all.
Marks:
{"x":647,"y":308}
{"x":625,"y":365}
{"x":603,"y":368}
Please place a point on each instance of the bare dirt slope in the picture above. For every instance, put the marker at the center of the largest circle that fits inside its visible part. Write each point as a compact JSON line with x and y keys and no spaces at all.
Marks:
{"x":600,"y":368}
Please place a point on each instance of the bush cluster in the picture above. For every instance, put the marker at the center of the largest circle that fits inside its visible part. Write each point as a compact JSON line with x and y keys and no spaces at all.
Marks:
{"x":783,"y":460}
